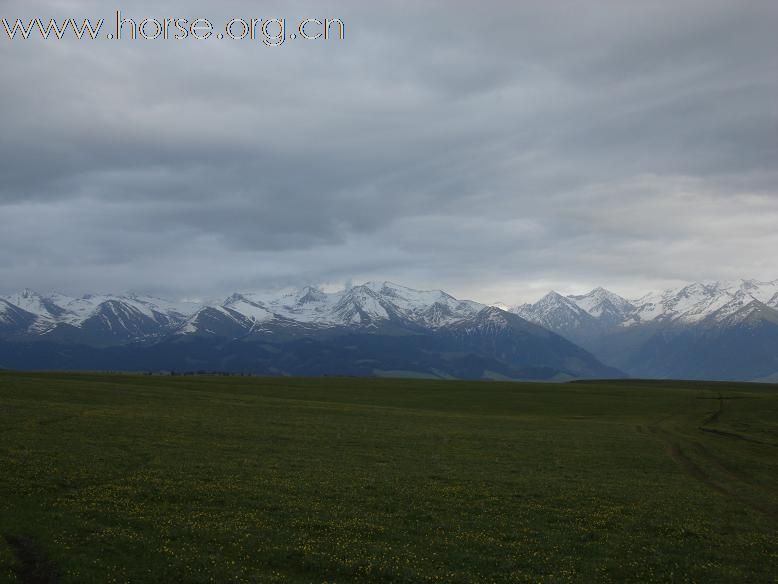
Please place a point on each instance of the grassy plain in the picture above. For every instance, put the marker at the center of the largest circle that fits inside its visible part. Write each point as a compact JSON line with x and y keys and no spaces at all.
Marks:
{"x":207,"y":479}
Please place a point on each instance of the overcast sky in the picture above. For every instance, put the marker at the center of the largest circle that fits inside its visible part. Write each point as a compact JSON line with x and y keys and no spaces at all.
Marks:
{"x":494,"y":149}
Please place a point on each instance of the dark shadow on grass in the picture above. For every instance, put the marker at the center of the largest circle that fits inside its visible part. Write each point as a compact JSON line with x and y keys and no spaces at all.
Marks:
{"x":32,"y":565}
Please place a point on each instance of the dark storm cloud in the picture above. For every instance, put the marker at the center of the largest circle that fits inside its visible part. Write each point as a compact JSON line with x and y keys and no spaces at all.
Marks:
{"x":492,"y":151}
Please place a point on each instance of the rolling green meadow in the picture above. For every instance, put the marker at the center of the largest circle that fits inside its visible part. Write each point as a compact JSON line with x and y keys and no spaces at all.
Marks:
{"x":213,"y":479}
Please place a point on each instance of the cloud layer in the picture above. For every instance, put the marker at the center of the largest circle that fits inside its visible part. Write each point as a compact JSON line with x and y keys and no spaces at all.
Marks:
{"x":494,"y":152}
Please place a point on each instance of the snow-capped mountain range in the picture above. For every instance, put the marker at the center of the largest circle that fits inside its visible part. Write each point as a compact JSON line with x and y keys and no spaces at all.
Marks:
{"x":672,"y":332}
{"x":373,"y":302}
{"x":365,"y":305}
{"x":368,"y":304}
{"x":644,"y":336}
{"x":372,"y":329}
{"x":709,"y":303}
{"x":49,"y":311}
{"x":135,"y":316}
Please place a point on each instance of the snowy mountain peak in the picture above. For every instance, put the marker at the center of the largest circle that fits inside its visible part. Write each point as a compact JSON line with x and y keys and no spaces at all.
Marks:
{"x":554,"y":301}
{"x":557,"y":313}
{"x":602,"y":303}
{"x":36,"y":304}
{"x":310,"y":295}
{"x":385,"y":286}
{"x":553,"y":296}
{"x":600,"y":294}
{"x":24,"y":297}
{"x":405,"y":294}
{"x":360,"y":305}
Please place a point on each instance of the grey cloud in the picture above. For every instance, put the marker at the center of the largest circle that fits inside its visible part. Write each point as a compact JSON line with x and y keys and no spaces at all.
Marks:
{"x":493,"y":152}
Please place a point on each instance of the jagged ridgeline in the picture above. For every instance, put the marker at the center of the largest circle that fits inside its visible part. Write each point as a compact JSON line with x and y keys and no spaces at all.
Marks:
{"x":719,"y":330}
{"x":373,"y":329}
{"x":726,"y":331}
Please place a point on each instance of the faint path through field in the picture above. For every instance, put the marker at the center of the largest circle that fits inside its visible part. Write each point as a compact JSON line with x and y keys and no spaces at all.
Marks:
{"x":682,"y":444}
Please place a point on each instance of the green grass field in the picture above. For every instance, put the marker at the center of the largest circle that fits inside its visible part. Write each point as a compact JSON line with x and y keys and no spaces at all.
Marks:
{"x":207,"y":479}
